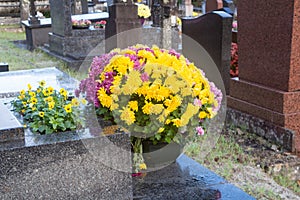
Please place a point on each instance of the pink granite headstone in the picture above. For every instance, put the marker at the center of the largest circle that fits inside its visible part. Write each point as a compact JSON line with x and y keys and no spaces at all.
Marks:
{"x":211,"y":5}
{"x":269,"y":63}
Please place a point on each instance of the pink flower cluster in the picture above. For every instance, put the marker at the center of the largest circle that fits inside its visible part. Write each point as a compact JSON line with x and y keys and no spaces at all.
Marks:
{"x":218,"y":95}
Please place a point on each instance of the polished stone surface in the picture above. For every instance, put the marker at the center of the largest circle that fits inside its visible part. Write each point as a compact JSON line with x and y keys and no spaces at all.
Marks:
{"x":271,"y":30}
{"x":269,"y":71}
{"x":10,"y":128}
{"x":75,"y":169}
{"x":212,"y":32}
{"x":185,"y":180}
{"x":13,"y":82}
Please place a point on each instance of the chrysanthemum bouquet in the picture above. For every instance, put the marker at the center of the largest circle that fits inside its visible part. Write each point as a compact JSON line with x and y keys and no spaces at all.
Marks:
{"x":156,"y":94}
{"x":46,"y":110}
{"x":100,"y":24}
{"x":143,"y":10}
{"x":81,"y":23}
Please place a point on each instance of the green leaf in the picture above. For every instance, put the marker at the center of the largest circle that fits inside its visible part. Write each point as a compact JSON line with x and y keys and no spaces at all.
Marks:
{"x":68,"y":124}
{"x":157,"y":136}
{"x":168,"y":139}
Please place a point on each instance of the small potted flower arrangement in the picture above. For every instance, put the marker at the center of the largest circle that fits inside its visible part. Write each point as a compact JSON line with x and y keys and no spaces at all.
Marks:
{"x":46,"y":110}
{"x":100,"y":25}
{"x":81,"y":24}
{"x":143,"y":12}
{"x":234,"y":68}
{"x":155,"y":94}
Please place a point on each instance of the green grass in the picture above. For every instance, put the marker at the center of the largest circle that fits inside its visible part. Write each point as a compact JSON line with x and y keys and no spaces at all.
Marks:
{"x":22,"y":59}
{"x":226,"y":157}
{"x":286,"y":182}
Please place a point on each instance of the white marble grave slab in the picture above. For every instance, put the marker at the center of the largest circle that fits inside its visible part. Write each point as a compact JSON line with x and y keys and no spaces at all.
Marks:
{"x":13,"y":82}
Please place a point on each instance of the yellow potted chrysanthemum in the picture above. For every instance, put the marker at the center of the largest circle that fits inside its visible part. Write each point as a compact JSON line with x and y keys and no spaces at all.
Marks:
{"x":156,"y":94}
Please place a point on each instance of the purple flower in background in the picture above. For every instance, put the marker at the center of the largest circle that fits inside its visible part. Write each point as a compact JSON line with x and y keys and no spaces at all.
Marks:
{"x":200,"y":130}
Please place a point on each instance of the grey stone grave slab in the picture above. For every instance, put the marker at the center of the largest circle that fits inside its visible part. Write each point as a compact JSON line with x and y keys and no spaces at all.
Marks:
{"x":37,"y":34}
{"x":10,"y":128}
{"x":66,"y":166}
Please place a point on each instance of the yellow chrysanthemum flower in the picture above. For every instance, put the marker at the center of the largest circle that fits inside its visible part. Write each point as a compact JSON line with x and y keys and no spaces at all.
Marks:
{"x":104,"y":99}
{"x":133,"y":83}
{"x":127,"y":116}
{"x":143,"y":11}
{"x":177,"y":122}
{"x":160,"y":130}
{"x":157,"y":109}
{"x":147,"y":108}
{"x":202,"y":115}
{"x":173,"y":103}
{"x":133,"y":105}
{"x":191,"y":110}
{"x":143,"y":166}
{"x":62,"y":91}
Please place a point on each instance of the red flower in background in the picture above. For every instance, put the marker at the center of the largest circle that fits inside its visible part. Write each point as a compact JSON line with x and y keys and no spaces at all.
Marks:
{"x":234,"y":70}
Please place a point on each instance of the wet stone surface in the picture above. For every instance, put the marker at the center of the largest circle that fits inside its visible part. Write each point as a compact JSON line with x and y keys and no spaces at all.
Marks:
{"x":185,"y":179}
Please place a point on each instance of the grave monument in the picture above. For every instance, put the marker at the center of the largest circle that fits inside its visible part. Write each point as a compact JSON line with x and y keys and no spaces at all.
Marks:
{"x":211,"y":5}
{"x":213,"y":32}
{"x":268,"y":86}
{"x":73,"y":45}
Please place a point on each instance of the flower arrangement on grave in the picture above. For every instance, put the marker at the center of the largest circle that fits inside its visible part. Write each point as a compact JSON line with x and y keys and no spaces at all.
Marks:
{"x":234,"y":26}
{"x":144,"y":12}
{"x":46,"y":110}
{"x":155,"y":94}
{"x":82,"y":23}
{"x":234,"y":69}
{"x":100,"y":24}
